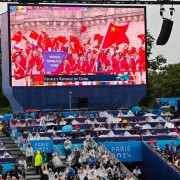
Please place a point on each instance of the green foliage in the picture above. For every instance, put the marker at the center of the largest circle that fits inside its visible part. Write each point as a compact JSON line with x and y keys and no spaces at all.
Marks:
{"x":163,"y":80}
{"x":7,"y":109}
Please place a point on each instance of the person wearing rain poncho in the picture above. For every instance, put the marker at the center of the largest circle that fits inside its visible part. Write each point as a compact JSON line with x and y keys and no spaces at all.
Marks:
{"x":37,"y":136}
{"x":38,"y":162}
{"x":29,"y":138}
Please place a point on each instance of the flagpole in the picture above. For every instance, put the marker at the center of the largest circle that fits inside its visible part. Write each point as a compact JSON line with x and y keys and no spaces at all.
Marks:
{"x":104,"y":36}
{"x":95,"y":64}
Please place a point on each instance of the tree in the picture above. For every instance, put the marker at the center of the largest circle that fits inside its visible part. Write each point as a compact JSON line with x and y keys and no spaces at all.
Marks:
{"x":3,"y":100}
{"x":163,"y":80}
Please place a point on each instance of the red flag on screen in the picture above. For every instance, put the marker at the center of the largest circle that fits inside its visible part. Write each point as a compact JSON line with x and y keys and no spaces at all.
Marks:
{"x":34,"y":35}
{"x":76,"y":45}
{"x":142,"y":38}
{"x":98,"y":38}
{"x":89,"y":41}
{"x":84,"y":28}
{"x":45,"y":33}
{"x":132,"y":51}
{"x":40,"y":41}
{"x":74,"y":39}
{"x":62,"y":39}
{"x":115,"y":34}
{"x":16,"y":38}
{"x":19,"y":32}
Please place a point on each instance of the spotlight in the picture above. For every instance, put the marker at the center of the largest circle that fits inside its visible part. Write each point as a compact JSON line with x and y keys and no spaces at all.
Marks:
{"x":162,"y":10}
{"x":172,"y":10}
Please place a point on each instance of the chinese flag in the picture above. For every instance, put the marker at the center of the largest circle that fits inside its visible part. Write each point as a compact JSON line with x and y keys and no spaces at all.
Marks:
{"x":142,"y":38}
{"x":115,"y":34}
{"x":34,"y":35}
{"x":47,"y":42}
{"x":62,"y":39}
{"x":40,"y":41}
{"x":17,"y":38}
{"x":89,"y":41}
{"x":45,"y":34}
{"x":84,"y":28}
{"x":98,"y":38}
{"x":74,"y":39}
{"x":132,"y":51}
{"x":77,"y":47}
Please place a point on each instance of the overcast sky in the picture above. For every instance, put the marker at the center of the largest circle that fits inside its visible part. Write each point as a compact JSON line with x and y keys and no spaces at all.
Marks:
{"x":154,"y":22}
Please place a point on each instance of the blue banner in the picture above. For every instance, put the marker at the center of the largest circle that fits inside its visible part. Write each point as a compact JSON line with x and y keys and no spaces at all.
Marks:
{"x":42,"y":145}
{"x":71,"y":78}
{"x":125,"y":151}
{"x":52,"y":60}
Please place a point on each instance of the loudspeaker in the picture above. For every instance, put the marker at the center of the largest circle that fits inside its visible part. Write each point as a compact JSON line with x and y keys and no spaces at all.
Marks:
{"x":165,"y":32}
{"x":82,"y":102}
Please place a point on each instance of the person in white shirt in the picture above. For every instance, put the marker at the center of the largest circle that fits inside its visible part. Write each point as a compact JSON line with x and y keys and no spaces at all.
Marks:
{"x":176,"y":162}
{"x":50,"y":174}
{"x":29,"y":155}
{"x":56,"y":161}
{"x":54,"y":136}
{"x":87,"y":171}
{"x":120,"y":114}
{"x":95,"y":170}
{"x":128,"y":177}
{"x":86,"y":143}
{"x":116,"y":171}
{"x":22,"y":161}
{"x":62,"y":122}
{"x":29,"y":138}
{"x":42,"y":122}
{"x":82,"y":158}
{"x":137,"y":172}
{"x":101,"y":171}
{"x":92,"y":175}
{"x":6,"y":153}
{"x":88,"y":121}
{"x":67,"y":146}
{"x":81,"y":174}
{"x":37,"y":136}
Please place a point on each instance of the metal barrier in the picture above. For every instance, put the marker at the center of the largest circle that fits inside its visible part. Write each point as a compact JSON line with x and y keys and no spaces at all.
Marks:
{"x":56,"y":150}
{"x":123,"y":169}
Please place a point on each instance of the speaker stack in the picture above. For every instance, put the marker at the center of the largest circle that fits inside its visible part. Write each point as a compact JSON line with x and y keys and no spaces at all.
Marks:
{"x":165,"y":32}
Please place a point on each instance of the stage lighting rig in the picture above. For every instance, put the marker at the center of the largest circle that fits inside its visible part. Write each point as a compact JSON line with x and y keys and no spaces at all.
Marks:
{"x":146,"y":2}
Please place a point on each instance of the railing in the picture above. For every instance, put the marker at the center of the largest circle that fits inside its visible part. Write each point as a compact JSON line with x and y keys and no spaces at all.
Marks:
{"x":123,"y":169}
{"x":55,"y":149}
{"x":162,"y":159}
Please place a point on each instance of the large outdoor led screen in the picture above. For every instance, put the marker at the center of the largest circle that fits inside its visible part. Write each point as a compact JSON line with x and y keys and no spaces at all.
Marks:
{"x":77,"y":46}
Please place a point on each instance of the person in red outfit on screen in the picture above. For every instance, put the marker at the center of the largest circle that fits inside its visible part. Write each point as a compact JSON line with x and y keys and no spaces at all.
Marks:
{"x":90,"y":63}
{"x":28,"y":47}
{"x":108,"y":60}
{"x":19,"y":72}
{"x":64,"y":68}
{"x":117,"y":63}
{"x":80,"y":67}
{"x":127,"y":67}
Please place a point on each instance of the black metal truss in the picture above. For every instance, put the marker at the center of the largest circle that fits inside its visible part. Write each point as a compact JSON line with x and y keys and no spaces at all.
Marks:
{"x":145,"y":2}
